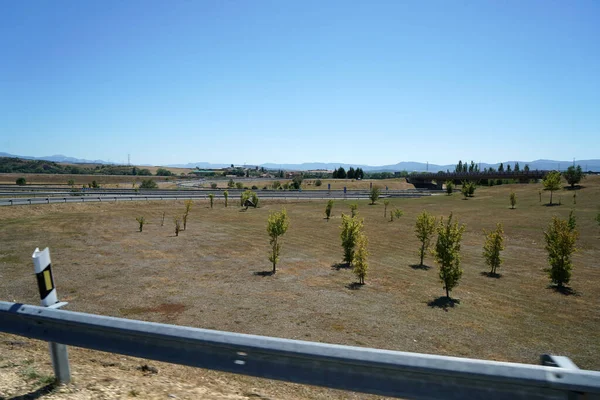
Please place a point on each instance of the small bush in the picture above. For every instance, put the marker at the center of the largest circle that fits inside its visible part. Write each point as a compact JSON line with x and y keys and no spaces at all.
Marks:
{"x":239,"y":185}
{"x":148,"y":184}
{"x":254,"y":187}
{"x":353,"y":210}
{"x":213,"y":185}
{"x":226,"y":196}
{"x":318,"y":182}
{"x":212,"y":199}
{"x":21,"y":181}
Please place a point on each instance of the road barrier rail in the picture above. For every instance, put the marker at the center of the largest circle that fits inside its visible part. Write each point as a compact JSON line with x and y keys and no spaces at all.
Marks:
{"x":383,"y":372}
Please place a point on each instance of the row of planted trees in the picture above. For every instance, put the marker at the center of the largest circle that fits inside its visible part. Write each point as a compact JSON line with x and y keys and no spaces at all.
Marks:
{"x":560,"y":238}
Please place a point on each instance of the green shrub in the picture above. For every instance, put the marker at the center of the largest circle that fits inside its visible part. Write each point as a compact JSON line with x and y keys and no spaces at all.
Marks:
{"x":318,"y":182}
{"x":21,"y":181}
{"x":148,"y":184}
{"x":213,"y":185}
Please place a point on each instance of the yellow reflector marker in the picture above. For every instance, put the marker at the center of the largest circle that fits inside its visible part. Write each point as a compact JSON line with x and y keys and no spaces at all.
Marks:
{"x":48,"y":280}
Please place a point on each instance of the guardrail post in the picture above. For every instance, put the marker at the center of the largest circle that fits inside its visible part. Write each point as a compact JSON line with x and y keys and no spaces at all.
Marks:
{"x":58,"y":352}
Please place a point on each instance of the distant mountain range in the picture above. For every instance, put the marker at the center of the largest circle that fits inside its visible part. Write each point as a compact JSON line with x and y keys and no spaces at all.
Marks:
{"x":410,"y":166}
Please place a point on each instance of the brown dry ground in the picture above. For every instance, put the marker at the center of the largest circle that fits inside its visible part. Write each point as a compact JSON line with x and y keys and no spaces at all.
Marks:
{"x":205,"y":278}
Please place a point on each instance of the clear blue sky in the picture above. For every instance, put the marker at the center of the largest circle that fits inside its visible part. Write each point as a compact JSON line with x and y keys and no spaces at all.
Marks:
{"x":240,"y":81}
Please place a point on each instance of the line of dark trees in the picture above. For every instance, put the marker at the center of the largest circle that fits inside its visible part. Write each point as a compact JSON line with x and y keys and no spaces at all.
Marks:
{"x":472,"y":167}
{"x":340,"y":173}
{"x":18,"y":165}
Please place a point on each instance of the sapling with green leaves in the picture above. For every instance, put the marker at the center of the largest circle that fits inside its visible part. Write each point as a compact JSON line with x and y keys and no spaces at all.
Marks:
{"x":141,"y":221}
{"x":277,"y":226}
{"x":424,"y":229}
{"x":361,"y":266}
{"x":328,"y":208}
{"x":494,"y":244}
{"x":560,"y":245}
{"x":447,"y":253}
{"x":351,"y":229}
{"x":212,"y":199}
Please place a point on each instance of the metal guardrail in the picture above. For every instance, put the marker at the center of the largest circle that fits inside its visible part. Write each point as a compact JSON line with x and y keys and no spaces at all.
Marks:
{"x":183,"y":196}
{"x":390,"y":373}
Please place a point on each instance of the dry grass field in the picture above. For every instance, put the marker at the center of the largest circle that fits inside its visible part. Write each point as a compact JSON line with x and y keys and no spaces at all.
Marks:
{"x":207,"y":277}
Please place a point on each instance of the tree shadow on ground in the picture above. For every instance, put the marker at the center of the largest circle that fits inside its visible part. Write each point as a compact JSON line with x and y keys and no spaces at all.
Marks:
{"x":564,"y":290}
{"x":577,"y":187}
{"x":339,"y":266}
{"x":552,"y":205}
{"x":354,"y":286}
{"x":263,"y":273}
{"x":491,"y":274}
{"x":418,"y":266}
{"x":443,"y":302}
{"x":41,"y":392}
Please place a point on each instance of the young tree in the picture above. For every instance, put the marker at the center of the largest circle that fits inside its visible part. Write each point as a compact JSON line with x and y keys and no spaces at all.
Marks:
{"x":297,"y":182}
{"x":213,"y":185}
{"x":424,"y":229}
{"x":513,"y":200}
{"x":494,"y":244}
{"x":162,"y":222}
{"x":341,"y":173}
{"x":374,"y":194}
{"x":328,"y":208}
{"x":501,"y":167}
{"x":552,"y":182}
{"x":141,"y":221}
{"x":351,"y":229}
{"x":231,"y":183}
{"x":188,"y":207}
{"x":517,"y":168}
{"x":573,"y":175}
{"x":71,"y":182}
{"x":397,"y":213}
{"x":560,"y":245}
{"x":449,"y":187}
{"x":353,"y":209}
{"x":239,"y":185}
{"x":540,"y":194}
{"x":247,"y":198}
{"x":212,"y":199}
{"x":526,"y":168}
{"x":360,"y":259}
{"x":464,"y":189}
{"x":447,"y":253}
{"x":177,"y":221}
{"x":386,"y":203}
{"x":572,"y":221}
{"x":277,"y":226}
{"x":226,"y":195}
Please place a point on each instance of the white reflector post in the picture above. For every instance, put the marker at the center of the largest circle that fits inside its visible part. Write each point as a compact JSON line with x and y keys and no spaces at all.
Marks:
{"x":43,"y":271}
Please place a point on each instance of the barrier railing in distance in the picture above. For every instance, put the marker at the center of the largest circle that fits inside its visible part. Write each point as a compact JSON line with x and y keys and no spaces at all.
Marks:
{"x":390,"y":373}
